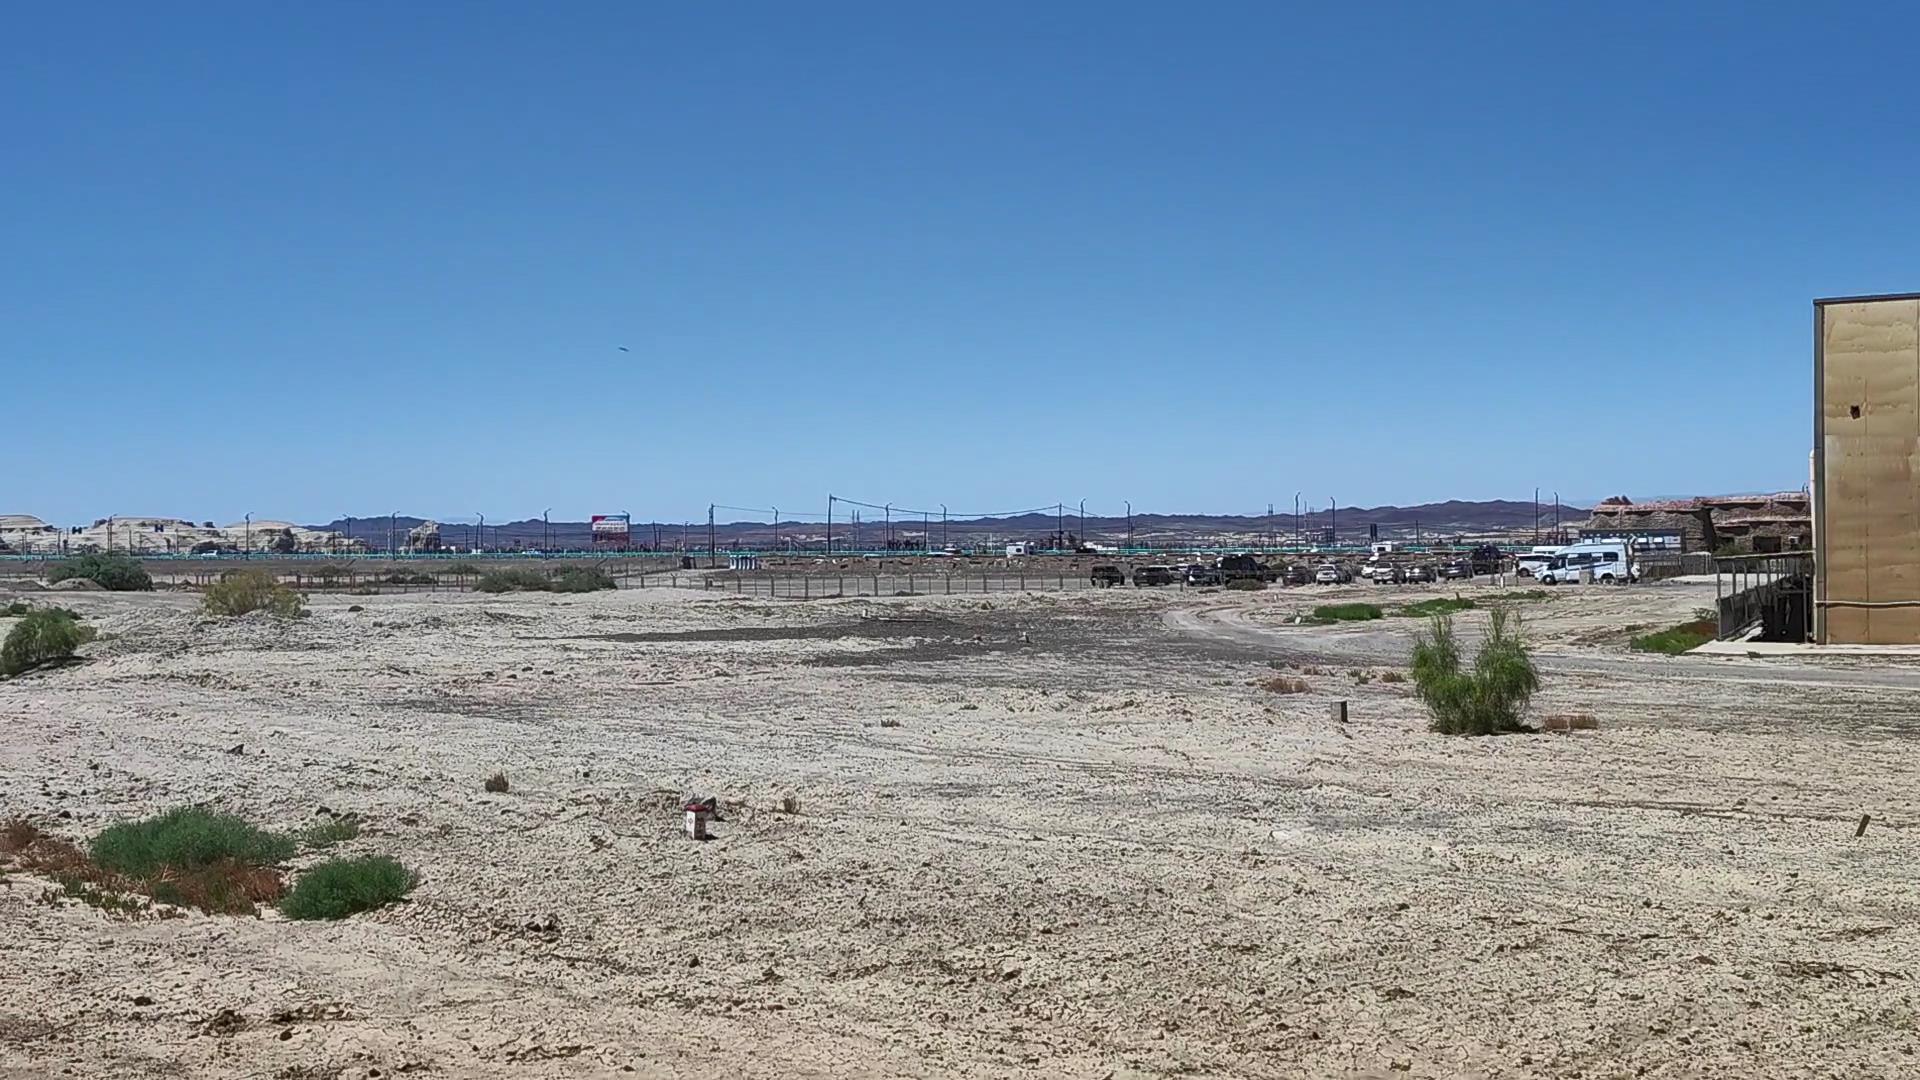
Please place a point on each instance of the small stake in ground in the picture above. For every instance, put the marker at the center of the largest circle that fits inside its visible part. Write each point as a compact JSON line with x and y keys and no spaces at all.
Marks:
{"x":1862,"y":829}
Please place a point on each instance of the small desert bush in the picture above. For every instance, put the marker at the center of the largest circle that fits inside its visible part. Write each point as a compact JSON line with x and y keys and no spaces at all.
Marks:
{"x":1486,"y":699}
{"x":324,"y":834}
{"x":512,"y":579}
{"x":341,"y":887}
{"x":186,"y":837}
{"x":1247,"y":584}
{"x":462,"y":569}
{"x":409,"y":579}
{"x":497,"y":783}
{"x":572,"y":579}
{"x":331,"y":571}
{"x":1439,"y":605}
{"x":16,"y":609}
{"x":1347,"y":612}
{"x":116,"y":573}
{"x":1678,"y":639}
{"x":1392,"y":677}
{"x":189,"y":857}
{"x":244,"y":591}
{"x":1285,"y":684}
{"x":46,"y":636}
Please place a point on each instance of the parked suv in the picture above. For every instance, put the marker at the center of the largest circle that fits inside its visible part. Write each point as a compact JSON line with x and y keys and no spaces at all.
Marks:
{"x":1153,"y":575}
{"x":1107,"y":576}
{"x":1330,"y":574}
{"x":1422,"y":573}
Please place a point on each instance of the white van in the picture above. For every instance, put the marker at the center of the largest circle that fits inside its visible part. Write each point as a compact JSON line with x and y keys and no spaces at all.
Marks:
{"x":1611,"y":563}
{"x":1534,"y":561}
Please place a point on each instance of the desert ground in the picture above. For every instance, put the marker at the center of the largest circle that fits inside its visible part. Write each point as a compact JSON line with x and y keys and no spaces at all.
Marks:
{"x":1042,"y":835}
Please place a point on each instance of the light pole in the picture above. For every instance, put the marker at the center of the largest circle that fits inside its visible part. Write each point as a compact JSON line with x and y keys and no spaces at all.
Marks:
{"x":829,"y":525}
{"x":248,"y":534}
{"x":392,"y":517}
{"x":1129,"y":503}
{"x":1083,"y":523}
{"x":776,"y":531}
{"x":943,"y":527}
{"x":483,"y":533}
{"x":1296,"y":518}
{"x":545,"y":543}
{"x":1333,"y":527}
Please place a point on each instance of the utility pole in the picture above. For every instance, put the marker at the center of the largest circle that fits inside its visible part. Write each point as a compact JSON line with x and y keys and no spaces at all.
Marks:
{"x":1271,"y":538}
{"x":829,"y":526}
{"x":1556,"y":518}
{"x":482,"y":545}
{"x":926,"y":530}
{"x":1129,"y":503}
{"x":1536,"y":515}
{"x":713,"y":547}
{"x":1083,"y":523}
{"x":889,"y":510}
{"x":249,"y":535}
{"x":943,"y":527}
{"x":392,"y":517}
{"x":546,"y":543}
{"x":1059,"y":526}
{"x":1333,"y":527}
{"x":776,"y":530}
{"x":856,"y":530}
{"x":1296,"y":518}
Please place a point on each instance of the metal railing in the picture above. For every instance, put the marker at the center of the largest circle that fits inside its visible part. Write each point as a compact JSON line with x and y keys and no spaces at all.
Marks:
{"x":1772,"y":592}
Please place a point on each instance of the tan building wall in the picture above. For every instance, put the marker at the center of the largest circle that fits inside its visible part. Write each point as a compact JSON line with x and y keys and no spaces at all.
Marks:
{"x":1866,"y":445}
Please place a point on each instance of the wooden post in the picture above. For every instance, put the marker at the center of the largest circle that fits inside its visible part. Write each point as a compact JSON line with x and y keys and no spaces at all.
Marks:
{"x":1337,"y":712}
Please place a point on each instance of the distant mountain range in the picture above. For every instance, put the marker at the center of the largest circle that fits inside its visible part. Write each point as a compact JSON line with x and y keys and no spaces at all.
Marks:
{"x":1428,"y":519}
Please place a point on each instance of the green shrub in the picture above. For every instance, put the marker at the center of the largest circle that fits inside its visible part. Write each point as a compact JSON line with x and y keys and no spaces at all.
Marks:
{"x":1347,"y":612}
{"x":1487,"y":699}
{"x":569,"y":579}
{"x":512,"y":579}
{"x":409,"y":579}
{"x":1439,"y":605}
{"x":341,"y":887}
{"x":581,"y":579}
{"x":117,"y":573}
{"x":1678,"y":639}
{"x":16,"y":609}
{"x":325,"y":834}
{"x":186,"y":838}
{"x":243,"y":591}
{"x":462,"y":569}
{"x":46,"y":636}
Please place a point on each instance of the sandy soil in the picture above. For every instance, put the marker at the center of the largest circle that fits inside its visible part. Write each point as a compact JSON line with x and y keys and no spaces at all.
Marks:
{"x":1051,"y":835}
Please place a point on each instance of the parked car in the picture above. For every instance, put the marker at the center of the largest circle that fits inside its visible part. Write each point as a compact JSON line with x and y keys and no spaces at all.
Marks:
{"x":1457,"y":570}
{"x":1106,"y":575}
{"x":1297,"y":574}
{"x":1330,"y":574}
{"x":1418,"y":574}
{"x":1153,"y":575}
{"x":1386,"y":574}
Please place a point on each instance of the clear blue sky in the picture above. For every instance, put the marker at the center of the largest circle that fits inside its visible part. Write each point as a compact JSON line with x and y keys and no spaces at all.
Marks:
{"x":309,"y":260}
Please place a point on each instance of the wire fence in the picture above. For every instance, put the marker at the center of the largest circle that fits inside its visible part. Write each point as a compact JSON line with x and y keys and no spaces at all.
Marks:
{"x":822,"y":586}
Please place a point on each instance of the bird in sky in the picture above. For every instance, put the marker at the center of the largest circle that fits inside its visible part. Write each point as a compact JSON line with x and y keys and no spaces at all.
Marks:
{"x":623,"y":348}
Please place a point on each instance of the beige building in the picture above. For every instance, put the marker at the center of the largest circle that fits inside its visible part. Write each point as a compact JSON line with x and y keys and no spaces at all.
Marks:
{"x":1866,"y":450}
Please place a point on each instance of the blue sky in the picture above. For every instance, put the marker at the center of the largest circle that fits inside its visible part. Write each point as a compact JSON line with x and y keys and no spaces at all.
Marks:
{"x":311,"y":260}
